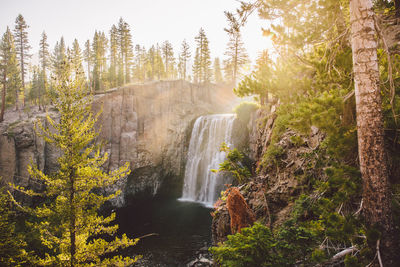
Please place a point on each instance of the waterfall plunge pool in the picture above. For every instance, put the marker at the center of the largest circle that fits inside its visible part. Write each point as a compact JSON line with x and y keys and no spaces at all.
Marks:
{"x":182,"y":228}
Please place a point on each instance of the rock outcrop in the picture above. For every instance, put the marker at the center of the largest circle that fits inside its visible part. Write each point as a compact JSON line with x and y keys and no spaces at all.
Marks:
{"x":269,"y":195}
{"x":147,"y":125}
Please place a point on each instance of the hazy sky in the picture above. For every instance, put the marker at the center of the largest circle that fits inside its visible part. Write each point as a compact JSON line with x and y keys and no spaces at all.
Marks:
{"x":151,"y":21}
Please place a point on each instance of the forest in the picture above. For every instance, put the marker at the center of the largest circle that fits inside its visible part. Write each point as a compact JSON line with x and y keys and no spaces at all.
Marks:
{"x":305,"y":172}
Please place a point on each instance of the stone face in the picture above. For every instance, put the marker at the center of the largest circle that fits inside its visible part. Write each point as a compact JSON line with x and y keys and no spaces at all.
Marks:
{"x":269,"y":194}
{"x":147,"y":125}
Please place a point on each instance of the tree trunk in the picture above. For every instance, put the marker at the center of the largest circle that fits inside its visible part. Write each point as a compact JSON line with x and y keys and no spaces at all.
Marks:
{"x":72,"y":221}
{"x":397,"y":7}
{"x":3,"y":97}
{"x":22,"y":73}
{"x":40,"y":85}
{"x":376,"y":193}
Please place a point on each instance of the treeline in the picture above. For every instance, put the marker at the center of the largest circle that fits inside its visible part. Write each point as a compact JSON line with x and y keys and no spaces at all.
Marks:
{"x":109,"y":60}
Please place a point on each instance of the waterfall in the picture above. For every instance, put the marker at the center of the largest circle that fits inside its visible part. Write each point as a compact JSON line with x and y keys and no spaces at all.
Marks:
{"x":200,"y":183}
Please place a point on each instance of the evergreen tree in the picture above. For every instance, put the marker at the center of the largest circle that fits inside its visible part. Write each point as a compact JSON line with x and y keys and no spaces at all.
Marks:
{"x":44,"y":57}
{"x":259,"y":81}
{"x":159,"y":64}
{"x":217,"y":71}
{"x":151,"y":63}
{"x":140,"y":63}
{"x":12,"y":252}
{"x":9,"y":71}
{"x":184,"y":58}
{"x":76,"y":61}
{"x":22,"y":49}
{"x":69,"y":224}
{"x":88,"y":57}
{"x":58,"y":58}
{"x":236,"y":52}
{"x":202,"y":61}
{"x":377,"y":204}
{"x":35,"y":86}
{"x":168,"y":57}
{"x":99,"y":46}
{"x":113,"y":56}
{"x":126,"y":49}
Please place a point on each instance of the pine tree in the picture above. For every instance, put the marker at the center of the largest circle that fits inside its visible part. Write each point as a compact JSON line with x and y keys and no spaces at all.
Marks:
{"x":202,"y":61}
{"x":35,"y":86}
{"x":58,"y":58}
{"x":12,"y":246}
{"x":88,"y":57}
{"x":159,"y":64}
{"x":126,"y":49}
{"x":99,"y":46}
{"x":76,"y":60}
{"x":259,"y":81}
{"x":151,"y":63}
{"x":140,"y":63}
{"x":9,"y":71}
{"x":236,"y":52}
{"x":168,"y":57}
{"x":184,"y":58}
{"x":217,"y":71}
{"x":69,"y":224}
{"x":377,"y":207}
{"x":113,"y":56}
{"x":22,"y":49}
{"x":44,"y":57}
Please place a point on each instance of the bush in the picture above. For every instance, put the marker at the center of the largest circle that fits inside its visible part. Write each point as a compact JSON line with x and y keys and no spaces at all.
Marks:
{"x":258,"y":246}
{"x":244,"y":110}
{"x":233,"y":164}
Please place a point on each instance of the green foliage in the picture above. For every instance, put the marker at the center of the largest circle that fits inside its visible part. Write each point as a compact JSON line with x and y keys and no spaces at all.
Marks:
{"x":253,"y":246}
{"x":312,"y":80}
{"x":12,"y":246}
{"x":244,"y":110}
{"x":233,"y":164}
{"x":257,"y":246}
{"x":259,"y":81}
{"x":70,"y":229}
{"x":296,"y":140}
{"x":202,"y":61}
{"x":9,"y":70}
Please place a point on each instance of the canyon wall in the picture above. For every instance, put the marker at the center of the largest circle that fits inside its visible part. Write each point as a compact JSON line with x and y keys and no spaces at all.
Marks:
{"x":147,"y":125}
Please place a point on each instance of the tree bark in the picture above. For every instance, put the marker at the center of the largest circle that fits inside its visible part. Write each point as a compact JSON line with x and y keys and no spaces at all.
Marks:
{"x":397,"y":7}
{"x":22,"y":71}
{"x":377,"y":209}
{"x":3,"y":97}
{"x":72,"y":219}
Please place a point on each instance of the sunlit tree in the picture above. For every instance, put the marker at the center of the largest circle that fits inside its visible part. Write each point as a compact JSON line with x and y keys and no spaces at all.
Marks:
{"x":69,"y":224}
{"x":184,"y":58}
{"x":9,"y":71}
{"x":202,"y":60}
{"x":22,"y":49}
{"x":236,"y":53}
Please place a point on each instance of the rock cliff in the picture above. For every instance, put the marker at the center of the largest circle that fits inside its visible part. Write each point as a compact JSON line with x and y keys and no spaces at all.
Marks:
{"x":269,"y":194}
{"x":147,"y":125}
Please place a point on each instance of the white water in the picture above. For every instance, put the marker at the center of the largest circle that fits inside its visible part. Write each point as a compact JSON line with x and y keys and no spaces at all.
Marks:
{"x":200,"y":183}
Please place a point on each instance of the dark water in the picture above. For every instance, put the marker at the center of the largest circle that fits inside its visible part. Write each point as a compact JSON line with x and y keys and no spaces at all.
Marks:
{"x":182,"y":229}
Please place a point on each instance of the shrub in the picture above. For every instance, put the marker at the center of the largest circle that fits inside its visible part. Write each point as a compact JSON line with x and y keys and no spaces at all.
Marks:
{"x":244,"y":110}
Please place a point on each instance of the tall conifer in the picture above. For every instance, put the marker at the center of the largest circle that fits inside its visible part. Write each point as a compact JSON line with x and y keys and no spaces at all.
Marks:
{"x":69,"y":224}
{"x":9,"y":71}
{"x":44,"y":57}
{"x":22,"y":49}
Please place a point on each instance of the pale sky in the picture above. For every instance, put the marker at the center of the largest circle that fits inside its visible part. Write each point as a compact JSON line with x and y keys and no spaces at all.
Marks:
{"x":151,"y":21}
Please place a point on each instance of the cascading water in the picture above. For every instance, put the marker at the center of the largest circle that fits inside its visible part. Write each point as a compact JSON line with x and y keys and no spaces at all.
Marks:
{"x":200,"y":183}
